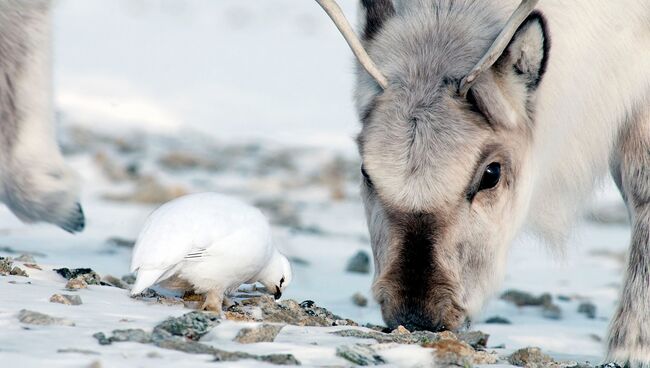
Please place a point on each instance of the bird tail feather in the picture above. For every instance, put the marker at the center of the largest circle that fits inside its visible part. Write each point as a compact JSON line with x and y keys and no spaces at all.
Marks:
{"x":145,"y":279}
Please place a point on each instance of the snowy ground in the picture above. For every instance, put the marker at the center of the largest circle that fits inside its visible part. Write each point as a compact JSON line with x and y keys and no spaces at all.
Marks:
{"x":204,"y":95}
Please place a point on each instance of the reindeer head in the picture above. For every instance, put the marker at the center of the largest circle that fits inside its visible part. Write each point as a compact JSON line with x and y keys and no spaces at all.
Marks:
{"x":447,"y":112}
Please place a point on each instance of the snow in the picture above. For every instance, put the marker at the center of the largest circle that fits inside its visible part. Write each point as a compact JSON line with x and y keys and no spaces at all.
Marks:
{"x":273,"y":74}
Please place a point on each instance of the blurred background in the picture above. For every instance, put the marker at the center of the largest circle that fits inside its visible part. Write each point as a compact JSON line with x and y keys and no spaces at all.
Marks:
{"x":158,"y":98}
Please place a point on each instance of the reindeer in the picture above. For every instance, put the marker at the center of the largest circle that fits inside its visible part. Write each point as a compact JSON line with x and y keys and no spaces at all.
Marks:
{"x":478,"y":123}
{"x":35,"y":182}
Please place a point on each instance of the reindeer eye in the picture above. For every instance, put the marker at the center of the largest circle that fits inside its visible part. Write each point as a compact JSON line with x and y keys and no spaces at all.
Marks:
{"x":491,"y":176}
{"x":366,"y":177}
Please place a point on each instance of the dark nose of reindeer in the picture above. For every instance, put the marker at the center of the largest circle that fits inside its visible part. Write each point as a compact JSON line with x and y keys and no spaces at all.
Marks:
{"x":76,"y":221}
{"x":417,"y":321}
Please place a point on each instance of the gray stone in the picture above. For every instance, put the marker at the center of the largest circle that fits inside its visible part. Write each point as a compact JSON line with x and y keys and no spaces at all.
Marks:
{"x":530,"y":357}
{"x":191,"y":325}
{"x":25,"y":258}
{"x":76,"y":284}
{"x":129,"y":279}
{"x":359,"y":263}
{"x":115,"y":282}
{"x":77,"y":351}
{"x":523,"y":299}
{"x":120,"y":242}
{"x":359,"y":299}
{"x":498,"y":320}
{"x":36,"y":318}
{"x":551,"y":311}
{"x":360,"y":354}
{"x":588,"y":309}
{"x":88,"y":275}
{"x":66,"y":299}
{"x":263,"y":333}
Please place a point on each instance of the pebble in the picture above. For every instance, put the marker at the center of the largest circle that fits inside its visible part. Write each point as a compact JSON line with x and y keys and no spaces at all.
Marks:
{"x":76,"y":284}
{"x":115,"y":282}
{"x":498,"y":320}
{"x":359,"y":300}
{"x":588,"y":309}
{"x":551,"y":311}
{"x":191,"y":325}
{"x":263,"y":333}
{"x":36,"y":318}
{"x":523,"y":299}
{"x":25,"y":258}
{"x":66,"y":299}
{"x":359,"y":263}
{"x":88,"y":275}
{"x":360,"y":354}
{"x":530,"y":358}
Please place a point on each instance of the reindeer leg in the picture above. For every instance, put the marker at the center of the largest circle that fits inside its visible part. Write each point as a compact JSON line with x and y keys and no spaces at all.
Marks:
{"x":37,"y":185}
{"x":629,"y":336}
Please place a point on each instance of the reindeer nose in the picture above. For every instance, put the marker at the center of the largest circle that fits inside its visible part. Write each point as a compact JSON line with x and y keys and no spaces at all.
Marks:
{"x":417,"y":321}
{"x":76,"y":221}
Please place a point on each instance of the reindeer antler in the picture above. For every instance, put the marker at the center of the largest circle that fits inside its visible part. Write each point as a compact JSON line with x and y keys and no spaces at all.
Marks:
{"x":499,"y":45}
{"x":334,"y":11}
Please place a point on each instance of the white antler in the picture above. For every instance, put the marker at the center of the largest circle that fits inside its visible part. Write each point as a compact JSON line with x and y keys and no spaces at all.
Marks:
{"x":334,"y":11}
{"x":499,"y":44}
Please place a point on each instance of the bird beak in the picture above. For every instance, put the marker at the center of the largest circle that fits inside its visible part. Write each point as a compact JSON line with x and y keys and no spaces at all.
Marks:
{"x":278,"y":293}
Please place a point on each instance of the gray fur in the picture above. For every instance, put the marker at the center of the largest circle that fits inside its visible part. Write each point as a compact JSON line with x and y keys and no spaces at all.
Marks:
{"x":36,"y":184}
{"x":630,"y":327}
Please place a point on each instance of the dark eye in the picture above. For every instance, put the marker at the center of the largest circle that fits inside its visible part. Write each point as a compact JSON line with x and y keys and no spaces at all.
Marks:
{"x":281,"y":281}
{"x":366,"y":177}
{"x":491,"y":176}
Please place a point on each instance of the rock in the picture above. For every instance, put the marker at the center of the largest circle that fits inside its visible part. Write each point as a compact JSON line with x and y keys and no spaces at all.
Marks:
{"x":588,"y":309}
{"x":522,"y":298}
{"x":359,"y":263}
{"x":25,"y":258}
{"x":120,"y":242}
{"x":360,"y":354}
{"x":78,"y":351}
{"x":86,"y":274}
{"x":498,"y":320}
{"x":280,"y":211}
{"x":36,"y":318}
{"x":166,"y":340}
{"x":17,"y":271}
{"x":129,"y":279}
{"x":6,"y":265}
{"x":76,"y":284}
{"x":66,"y":299}
{"x":263,"y":333}
{"x":115,"y":282}
{"x":400,"y":330}
{"x":149,"y":191}
{"x":551,"y":311}
{"x":191,"y":325}
{"x":359,"y":299}
{"x":178,"y":161}
{"x":530,"y":358}
{"x":152,"y":296}
{"x":475,"y":339}
{"x":288,"y":311}
{"x":452,"y":353}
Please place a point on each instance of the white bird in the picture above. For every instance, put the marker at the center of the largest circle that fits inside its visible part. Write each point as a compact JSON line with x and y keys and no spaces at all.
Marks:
{"x":211,"y":244}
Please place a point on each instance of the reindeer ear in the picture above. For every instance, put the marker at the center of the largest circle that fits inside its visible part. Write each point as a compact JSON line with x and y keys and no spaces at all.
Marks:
{"x":527,"y":54}
{"x":373,"y":15}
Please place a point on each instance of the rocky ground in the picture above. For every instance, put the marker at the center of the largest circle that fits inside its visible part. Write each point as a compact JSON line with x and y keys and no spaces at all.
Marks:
{"x":259,"y":319}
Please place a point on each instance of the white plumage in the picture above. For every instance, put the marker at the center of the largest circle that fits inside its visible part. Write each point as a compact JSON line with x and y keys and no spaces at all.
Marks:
{"x":210,"y":243}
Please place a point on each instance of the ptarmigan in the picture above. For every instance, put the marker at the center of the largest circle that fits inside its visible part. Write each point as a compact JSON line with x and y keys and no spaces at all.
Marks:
{"x":208,"y":243}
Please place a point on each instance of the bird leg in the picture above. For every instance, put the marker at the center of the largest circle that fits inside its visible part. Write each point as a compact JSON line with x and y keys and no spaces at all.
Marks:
{"x":213,"y":301}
